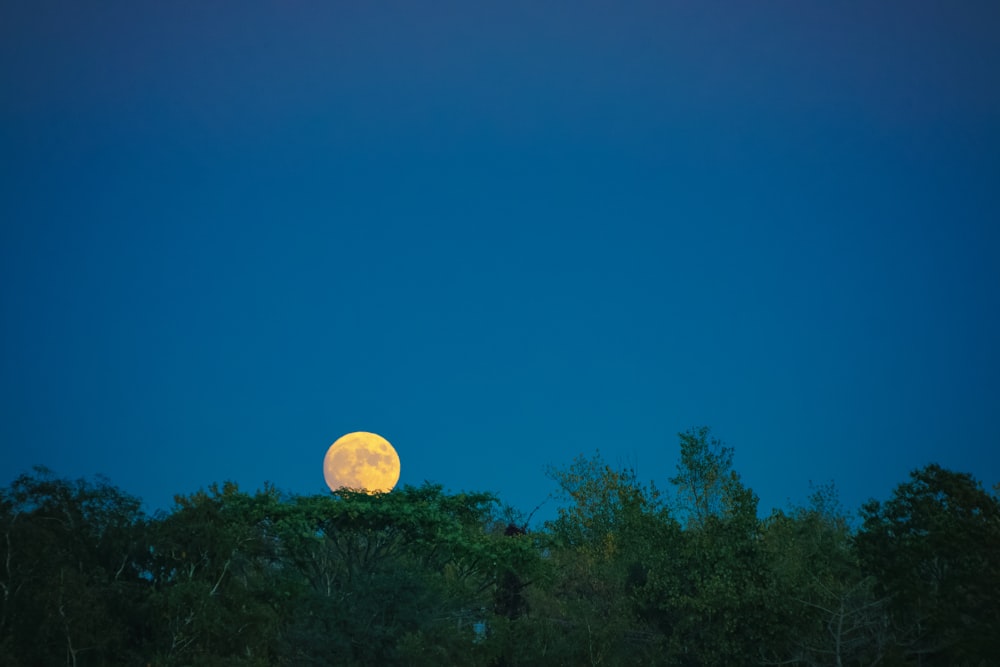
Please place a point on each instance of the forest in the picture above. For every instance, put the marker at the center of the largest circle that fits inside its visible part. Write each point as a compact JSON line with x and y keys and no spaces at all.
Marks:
{"x":627,"y":573}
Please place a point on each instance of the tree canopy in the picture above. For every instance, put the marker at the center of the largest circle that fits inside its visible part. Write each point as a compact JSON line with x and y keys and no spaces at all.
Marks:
{"x":629,"y":573}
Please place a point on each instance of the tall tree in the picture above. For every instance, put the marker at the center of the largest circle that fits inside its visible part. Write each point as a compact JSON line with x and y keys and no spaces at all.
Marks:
{"x":72,"y":579}
{"x":827,"y":610}
{"x":399,"y":578}
{"x":215,"y":584}
{"x":704,"y":475}
{"x":932,"y":548}
{"x":613,"y":530}
{"x":719,"y":611}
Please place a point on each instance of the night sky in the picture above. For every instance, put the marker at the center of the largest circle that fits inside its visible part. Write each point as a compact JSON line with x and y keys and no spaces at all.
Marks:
{"x":500,"y":235}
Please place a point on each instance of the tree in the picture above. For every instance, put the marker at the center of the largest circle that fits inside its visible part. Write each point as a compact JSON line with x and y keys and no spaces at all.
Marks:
{"x":932,"y":548}
{"x":388,"y":576}
{"x":828,"y":611}
{"x":73,"y":577}
{"x":603,"y":545}
{"x":216,"y":581}
{"x":714,"y":602}
{"x":704,"y":476}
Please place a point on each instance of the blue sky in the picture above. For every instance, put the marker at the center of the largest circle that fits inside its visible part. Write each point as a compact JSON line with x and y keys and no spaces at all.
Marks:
{"x":500,"y":235}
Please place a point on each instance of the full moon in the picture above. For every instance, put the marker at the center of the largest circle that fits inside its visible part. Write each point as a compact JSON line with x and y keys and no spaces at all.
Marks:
{"x":362,"y":461}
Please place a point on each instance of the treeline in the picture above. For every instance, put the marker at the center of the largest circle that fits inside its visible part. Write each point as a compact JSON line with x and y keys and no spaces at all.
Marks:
{"x":626,"y":574}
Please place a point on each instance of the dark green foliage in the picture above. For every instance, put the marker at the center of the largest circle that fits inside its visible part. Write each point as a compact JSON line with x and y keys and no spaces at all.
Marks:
{"x":703,"y":475}
{"x":933,"y":550}
{"x":383,"y":567}
{"x":826,"y":609}
{"x":717,"y":610}
{"x":602,"y":548}
{"x":423,"y":577}
{"x":73,"y":580}
{"x":213,"y":568}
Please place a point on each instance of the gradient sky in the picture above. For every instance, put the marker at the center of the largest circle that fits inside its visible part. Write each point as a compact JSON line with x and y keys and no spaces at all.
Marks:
{"x":500,"y":235}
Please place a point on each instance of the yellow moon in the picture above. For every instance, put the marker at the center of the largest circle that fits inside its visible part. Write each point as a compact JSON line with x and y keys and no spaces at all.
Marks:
{"x":362,"y":461}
